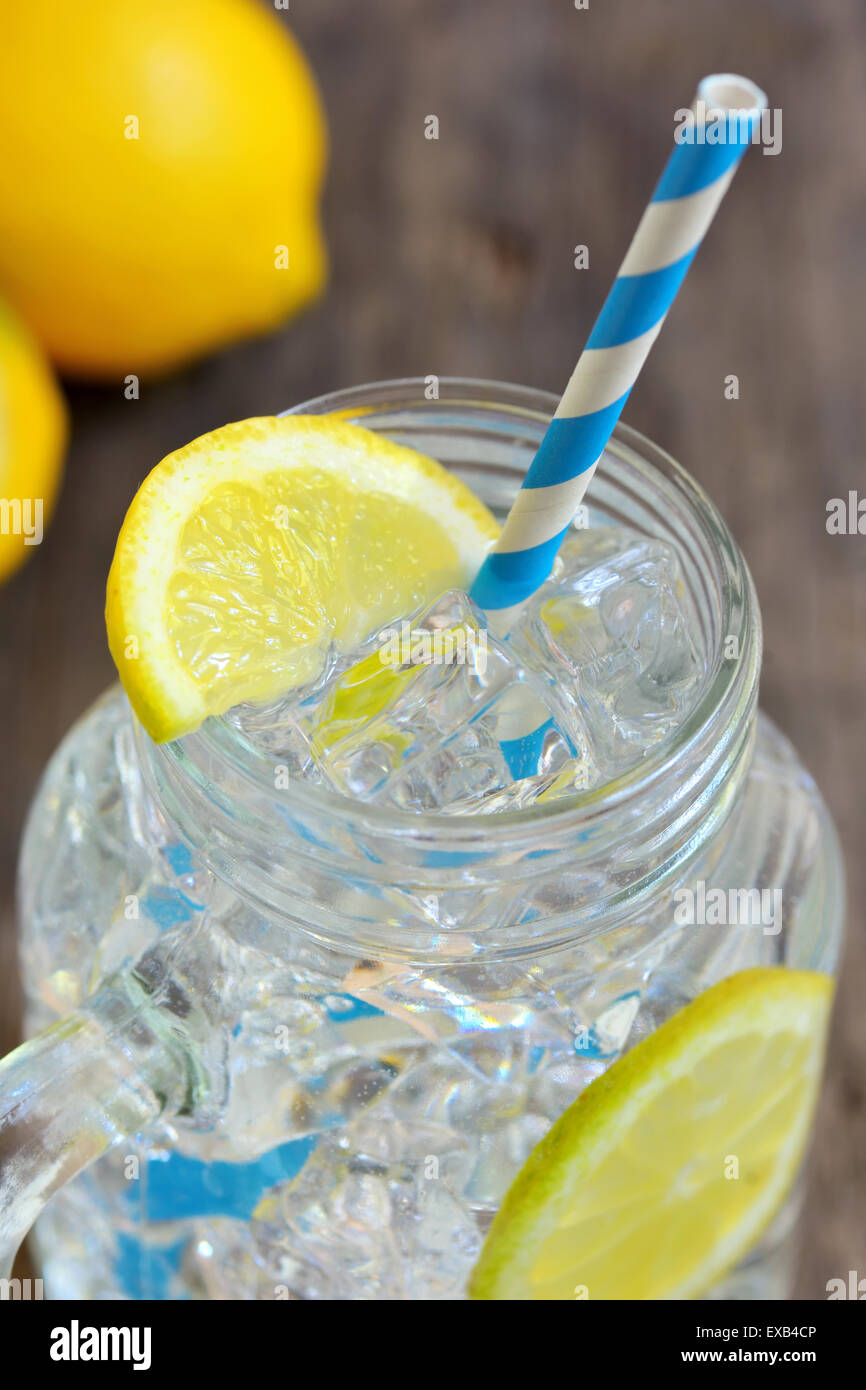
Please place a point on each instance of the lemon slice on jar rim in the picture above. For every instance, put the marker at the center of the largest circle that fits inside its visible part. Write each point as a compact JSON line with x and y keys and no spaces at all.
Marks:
{"x":244,"y":554}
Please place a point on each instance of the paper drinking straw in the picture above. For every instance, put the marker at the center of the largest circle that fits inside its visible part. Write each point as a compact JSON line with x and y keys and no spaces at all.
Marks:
{"x":726,"y":112}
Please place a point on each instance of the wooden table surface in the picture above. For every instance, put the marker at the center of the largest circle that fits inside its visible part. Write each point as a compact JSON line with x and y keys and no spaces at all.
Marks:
{"x":455,"y":257}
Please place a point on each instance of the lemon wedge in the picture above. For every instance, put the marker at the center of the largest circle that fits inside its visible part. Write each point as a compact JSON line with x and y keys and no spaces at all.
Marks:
{"x":667,"y":1168}
{"x":244,"y":554}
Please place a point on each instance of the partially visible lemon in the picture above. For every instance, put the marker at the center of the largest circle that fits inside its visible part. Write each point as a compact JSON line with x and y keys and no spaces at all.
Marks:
{"x":159,"y":178}
{"x":667,"y":1168}
{"x":32,"y":441}
{"x":246,"y":552}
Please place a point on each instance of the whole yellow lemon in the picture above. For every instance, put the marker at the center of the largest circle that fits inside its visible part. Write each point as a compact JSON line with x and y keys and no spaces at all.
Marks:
{"x":32,"y":442}
{"x":160,"y":166}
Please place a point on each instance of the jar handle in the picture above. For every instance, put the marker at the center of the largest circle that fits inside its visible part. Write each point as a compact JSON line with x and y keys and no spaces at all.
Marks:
{"x":98,"y":1075}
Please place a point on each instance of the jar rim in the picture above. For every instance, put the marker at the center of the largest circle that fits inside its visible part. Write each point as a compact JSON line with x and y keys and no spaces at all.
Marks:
{"x":729,"y":693}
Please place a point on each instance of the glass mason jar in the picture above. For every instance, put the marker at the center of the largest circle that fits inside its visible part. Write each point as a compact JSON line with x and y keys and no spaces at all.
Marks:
{"x":305,"y":1044}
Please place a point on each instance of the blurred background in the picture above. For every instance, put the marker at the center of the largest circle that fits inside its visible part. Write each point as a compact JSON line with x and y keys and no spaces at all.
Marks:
{"x":450,"y":256}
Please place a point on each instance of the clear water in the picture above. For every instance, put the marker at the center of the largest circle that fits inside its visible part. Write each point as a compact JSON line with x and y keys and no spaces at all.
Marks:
{"x":374,"y":1115}
{"x":440,"y":714}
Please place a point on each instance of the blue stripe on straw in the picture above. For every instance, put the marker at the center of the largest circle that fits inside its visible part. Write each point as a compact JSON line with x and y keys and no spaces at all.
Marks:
{"x":693,"y":167}
{"x":508,"y":577}
{"x":572,"y":444}
{"x":636,"y":303}
{"x":522,"y":754}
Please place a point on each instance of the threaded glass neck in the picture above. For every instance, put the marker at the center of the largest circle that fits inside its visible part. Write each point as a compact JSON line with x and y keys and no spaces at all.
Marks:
{"x":426,"y":885}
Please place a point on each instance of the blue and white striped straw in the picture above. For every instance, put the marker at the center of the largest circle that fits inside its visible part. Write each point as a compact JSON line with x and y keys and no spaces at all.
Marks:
{"x":672,"y":228}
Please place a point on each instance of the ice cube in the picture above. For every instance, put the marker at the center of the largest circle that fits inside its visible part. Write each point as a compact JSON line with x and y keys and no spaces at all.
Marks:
{"x":612,"y":628}
{"x":434,"y":714}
